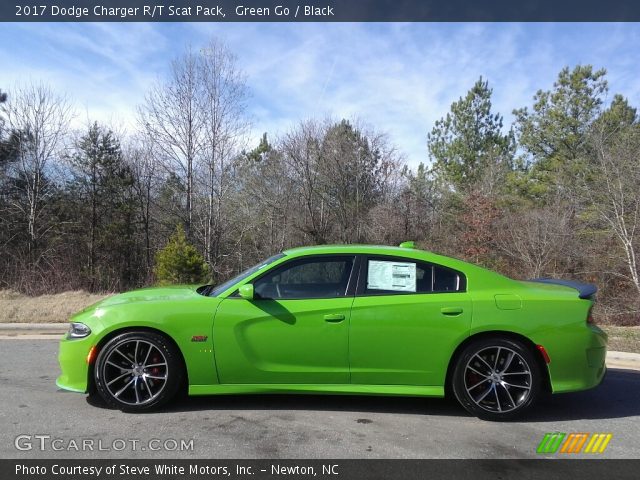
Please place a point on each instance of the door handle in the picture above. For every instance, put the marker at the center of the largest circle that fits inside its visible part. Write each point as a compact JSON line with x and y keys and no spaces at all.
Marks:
{"x":451,"y":311}
{"x":334,"y":317}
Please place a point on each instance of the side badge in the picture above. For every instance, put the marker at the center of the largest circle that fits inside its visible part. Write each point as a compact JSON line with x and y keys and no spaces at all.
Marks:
{"x":199,"y":338}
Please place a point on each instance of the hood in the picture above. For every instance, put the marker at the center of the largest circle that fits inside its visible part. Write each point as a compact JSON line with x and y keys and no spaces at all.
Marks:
{"x":153,"y":294}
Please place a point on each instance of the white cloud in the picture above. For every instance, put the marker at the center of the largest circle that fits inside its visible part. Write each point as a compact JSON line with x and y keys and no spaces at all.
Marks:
{"x":398,"y":78}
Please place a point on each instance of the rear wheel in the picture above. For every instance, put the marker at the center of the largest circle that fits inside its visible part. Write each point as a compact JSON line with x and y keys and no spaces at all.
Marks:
{"x":138,"y":371}
{"x":497,"y":378}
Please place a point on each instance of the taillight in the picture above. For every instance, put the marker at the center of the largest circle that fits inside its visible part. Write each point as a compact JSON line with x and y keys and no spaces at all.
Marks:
{"x":590,"y":317}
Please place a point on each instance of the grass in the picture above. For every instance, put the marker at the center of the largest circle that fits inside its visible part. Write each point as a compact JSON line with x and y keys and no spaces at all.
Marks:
{"x":18,"y":308}
{"x":623,"y":339}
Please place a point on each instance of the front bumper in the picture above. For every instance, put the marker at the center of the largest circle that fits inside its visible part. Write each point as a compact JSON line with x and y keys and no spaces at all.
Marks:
{"x":72,"y":358}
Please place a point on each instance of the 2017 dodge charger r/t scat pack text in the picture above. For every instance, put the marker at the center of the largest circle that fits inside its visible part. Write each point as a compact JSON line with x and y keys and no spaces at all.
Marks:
{"x":342,"y":320}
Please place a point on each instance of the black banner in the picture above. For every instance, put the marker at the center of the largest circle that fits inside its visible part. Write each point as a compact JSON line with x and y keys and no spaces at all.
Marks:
{"x":544,"y":469}
{"x":320,"y":11}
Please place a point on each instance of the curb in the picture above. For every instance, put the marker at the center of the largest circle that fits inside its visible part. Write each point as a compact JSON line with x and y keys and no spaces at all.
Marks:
{"x":625,"y":360}
{"x":20,"y":329}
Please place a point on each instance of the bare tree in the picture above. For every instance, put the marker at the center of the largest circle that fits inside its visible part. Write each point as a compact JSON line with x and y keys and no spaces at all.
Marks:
{"x":535,"y":238}
{"x":3,"y":98}
{"x":140,"y":155}
{"x":340,"y":173}
{"x":354,"y":165}
{"x":268,"y":196}
{"x":224,"y":97}
{"x":40,"y":120}
{"x":612,"y":190}
{"x":172,"y":117}
{"x":301,"y":149}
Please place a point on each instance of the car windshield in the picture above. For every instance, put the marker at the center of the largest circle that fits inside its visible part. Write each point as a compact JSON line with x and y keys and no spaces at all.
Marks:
{"x":212,"y":291}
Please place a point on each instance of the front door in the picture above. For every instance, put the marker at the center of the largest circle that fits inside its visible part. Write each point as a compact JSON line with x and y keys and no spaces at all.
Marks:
{"x":296,"y":330}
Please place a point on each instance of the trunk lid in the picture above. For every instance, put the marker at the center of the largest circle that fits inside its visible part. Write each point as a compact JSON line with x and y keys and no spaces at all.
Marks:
{"x":585,"y":291}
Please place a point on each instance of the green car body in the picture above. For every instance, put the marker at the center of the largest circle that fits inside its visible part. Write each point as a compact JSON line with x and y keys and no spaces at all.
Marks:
{"x":361,"y":342}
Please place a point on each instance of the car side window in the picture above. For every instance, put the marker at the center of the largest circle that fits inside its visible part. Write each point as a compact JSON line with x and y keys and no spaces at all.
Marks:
{"x":389,"y":276}
{"x":315,"y":277}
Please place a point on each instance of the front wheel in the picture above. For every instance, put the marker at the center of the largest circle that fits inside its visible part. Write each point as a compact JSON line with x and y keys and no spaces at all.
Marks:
{"x":496,"y":378}
{"x":138,"y":371}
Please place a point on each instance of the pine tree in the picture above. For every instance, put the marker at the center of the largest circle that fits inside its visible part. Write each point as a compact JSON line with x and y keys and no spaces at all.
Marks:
{"x":349,"y":164}
{"x":179,"y":262}
{"x":466,"y":144}
{"x":105,"y":206}
{"x":617,"y":117}
{"x":554,"y":133}
{"x":263,"y":148}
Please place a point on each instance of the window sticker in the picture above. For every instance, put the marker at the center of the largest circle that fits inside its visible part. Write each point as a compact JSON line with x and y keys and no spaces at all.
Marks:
{"x":395,"y":276}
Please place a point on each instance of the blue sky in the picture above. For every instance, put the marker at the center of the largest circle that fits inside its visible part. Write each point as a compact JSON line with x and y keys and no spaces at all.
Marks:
{"x":396,"y":78}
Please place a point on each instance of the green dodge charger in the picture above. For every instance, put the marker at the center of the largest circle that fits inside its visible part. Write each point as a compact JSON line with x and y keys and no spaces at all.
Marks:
{"x":342,"y":320}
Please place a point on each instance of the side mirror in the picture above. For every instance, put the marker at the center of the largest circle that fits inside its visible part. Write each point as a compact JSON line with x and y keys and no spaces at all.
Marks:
{"x":246,"y":291}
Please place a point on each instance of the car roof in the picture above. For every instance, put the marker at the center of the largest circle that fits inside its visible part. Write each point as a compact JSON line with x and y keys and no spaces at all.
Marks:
{"x":351,"y":248}
{"x":378,"y":250}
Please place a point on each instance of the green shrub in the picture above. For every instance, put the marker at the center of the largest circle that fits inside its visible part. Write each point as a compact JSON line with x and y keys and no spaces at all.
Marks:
{"x":180,"y":262}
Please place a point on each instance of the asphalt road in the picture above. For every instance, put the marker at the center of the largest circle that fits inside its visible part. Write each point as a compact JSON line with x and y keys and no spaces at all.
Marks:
{"x":287,"y":426}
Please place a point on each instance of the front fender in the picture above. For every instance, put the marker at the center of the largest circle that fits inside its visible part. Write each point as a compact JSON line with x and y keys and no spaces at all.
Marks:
{"x":188,"y":323}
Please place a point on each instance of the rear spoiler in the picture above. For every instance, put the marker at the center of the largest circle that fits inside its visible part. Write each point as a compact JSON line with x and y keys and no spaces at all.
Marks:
{"x":585,"y":290}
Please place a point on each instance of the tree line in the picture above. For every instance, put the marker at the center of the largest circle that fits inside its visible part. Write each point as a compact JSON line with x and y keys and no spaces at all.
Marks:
{"x":553,"y":194}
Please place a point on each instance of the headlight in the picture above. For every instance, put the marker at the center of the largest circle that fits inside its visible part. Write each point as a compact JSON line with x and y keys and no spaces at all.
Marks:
{"x":78,"y":330}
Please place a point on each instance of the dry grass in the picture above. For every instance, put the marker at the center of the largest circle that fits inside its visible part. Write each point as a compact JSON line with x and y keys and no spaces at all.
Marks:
{"x":623,"y":339}
{"x":18,"y":308}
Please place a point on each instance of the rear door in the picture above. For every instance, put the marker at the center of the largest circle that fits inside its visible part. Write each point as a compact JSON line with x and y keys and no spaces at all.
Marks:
{"x":407,"y":318}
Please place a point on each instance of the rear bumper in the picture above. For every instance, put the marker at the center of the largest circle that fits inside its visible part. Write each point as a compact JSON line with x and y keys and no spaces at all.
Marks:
{"x":582,"y":366}
{"x":72,"y":358}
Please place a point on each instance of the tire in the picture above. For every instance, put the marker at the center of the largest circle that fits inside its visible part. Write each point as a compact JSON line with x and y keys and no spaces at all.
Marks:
{"x":497,"y":379}
{"x":138,"y":371}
